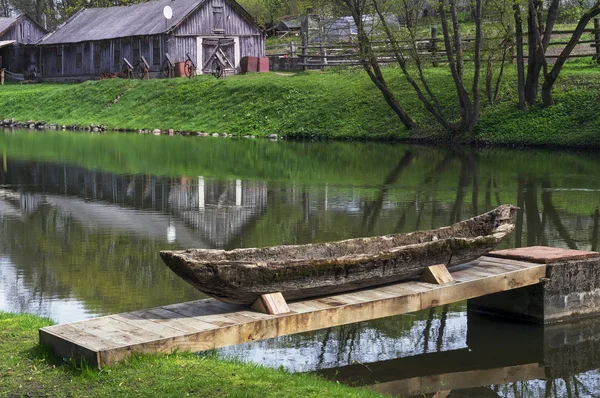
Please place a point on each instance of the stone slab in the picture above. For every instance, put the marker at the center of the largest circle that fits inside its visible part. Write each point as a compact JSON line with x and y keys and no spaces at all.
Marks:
{"x":543,"y":254}
{"x":570,"y":290}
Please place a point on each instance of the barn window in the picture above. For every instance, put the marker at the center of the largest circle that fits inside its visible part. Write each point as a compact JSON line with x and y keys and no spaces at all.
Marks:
{"x":59,"y":60}
{"x":97,"y":54}
{"x":156,"y":51}
{"x":117,"y":53}
{"x":79,"y":56}
{"x":219,"y":23}
{"x":136,"y":50}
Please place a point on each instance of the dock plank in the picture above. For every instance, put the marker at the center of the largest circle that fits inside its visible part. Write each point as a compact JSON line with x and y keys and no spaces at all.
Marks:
{"x":206,"y":324}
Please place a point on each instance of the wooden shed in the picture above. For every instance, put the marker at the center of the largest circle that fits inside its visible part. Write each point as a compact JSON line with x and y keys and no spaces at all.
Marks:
{"x":18,"y":35}
{"x":95,"y":40}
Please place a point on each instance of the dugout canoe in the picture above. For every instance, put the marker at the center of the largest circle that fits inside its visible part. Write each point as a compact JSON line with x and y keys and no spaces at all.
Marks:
{"x":300,"y":271}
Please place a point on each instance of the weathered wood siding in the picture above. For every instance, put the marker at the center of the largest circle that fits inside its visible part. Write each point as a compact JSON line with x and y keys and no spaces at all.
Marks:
{"x":24,"y":31}
{"x":111,"y":54}
{"x":202,"y":23}
{"x":18,"y":57}
{"x":183,"y":40}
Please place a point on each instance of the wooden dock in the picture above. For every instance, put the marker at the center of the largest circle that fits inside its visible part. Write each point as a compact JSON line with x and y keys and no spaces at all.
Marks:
{"x":207,"y":324}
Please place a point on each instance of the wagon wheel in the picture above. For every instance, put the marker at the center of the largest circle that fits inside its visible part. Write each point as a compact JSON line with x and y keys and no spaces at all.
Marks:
{"x":217,"y":68}
{"x":140,"y":71}
{"x":189,"y":68}
{"x":164,"y":69}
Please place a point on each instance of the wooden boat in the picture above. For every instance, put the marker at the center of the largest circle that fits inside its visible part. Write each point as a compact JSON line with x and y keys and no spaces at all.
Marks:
{"x":300,"y":271}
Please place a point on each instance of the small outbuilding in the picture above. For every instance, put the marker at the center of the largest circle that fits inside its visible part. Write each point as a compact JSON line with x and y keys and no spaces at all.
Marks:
{"x":18,"y":35}
{"x":95,"y":41}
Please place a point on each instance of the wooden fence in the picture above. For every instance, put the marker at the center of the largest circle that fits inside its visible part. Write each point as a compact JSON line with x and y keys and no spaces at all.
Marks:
{"x":305,"y":56}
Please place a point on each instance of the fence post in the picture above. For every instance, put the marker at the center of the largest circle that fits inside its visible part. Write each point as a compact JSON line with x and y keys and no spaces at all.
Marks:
{"x":292,"y":50}
{"x":433,"y":45}
{"x":304,"y":51}
{"x":324,"y":57}
{"x":304,"y":30}
{"x":597,"y":38}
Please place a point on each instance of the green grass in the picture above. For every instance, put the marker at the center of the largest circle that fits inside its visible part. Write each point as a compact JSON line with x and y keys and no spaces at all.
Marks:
{"x":340,"y":104}
{"x":29,"y":370}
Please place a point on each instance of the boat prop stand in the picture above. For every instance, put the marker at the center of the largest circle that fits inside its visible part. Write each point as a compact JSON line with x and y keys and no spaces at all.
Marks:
{"x":271,"y":303}
{"x":437,"y":274}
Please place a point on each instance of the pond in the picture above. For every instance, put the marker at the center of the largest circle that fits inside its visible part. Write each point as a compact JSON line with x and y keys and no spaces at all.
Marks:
{"x":83,"y":217}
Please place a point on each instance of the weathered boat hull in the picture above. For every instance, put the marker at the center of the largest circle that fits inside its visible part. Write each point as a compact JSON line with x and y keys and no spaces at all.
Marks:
{"x":301,"y":271}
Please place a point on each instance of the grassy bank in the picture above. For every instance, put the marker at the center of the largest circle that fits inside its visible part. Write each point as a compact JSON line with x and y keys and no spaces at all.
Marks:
{"x":30,"y":371}
{"x":335,"y":104}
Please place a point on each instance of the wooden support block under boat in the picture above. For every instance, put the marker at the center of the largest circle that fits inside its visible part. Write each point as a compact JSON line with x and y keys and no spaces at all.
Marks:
{"x":272,"y":303}
{"x":437,"y":274}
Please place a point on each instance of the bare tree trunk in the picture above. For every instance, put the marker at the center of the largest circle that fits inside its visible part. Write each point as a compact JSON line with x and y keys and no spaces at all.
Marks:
{"x":472,"y":123}
{"x":564,"y":55}
{"x":463,"y":96}
{"x":371,"y":65}
{"x":500,"y":74}
{"x":520,"y":59}
{"x":489,"y":75}
{"x":433,"y":106}
{"x":457,"y":40}
{"x":469,"y":110}
{"x":533,"y":67}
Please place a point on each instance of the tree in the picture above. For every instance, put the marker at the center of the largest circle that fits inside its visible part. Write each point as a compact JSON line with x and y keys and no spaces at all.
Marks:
{"x":538,"y":39}
{"x":468,"y":98}
{"x":368,"y":59}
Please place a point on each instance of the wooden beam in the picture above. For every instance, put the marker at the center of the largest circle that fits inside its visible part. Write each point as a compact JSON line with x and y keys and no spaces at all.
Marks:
{"x":272,"y":303}
{"x":437,"y":274}
{"x":207,"y":324}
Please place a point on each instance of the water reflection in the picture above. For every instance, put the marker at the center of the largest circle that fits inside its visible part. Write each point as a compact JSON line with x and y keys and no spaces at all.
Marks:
{"x":82,"y":239}
{"x":513,"y":360}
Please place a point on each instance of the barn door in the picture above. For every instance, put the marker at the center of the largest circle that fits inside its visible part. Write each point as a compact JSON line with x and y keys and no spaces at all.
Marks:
{"x":218,"y":51}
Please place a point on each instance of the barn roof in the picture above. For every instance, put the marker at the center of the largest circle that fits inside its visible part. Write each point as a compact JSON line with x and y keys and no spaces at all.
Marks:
{"x":124,"y":21}
{"x":6,"y":23}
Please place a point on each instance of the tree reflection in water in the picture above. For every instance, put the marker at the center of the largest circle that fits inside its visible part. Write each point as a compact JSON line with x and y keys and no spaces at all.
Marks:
{"x":89,"y":232}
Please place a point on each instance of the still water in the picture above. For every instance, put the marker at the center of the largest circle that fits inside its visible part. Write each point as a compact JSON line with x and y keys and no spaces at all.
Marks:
{"x":83,"y":217}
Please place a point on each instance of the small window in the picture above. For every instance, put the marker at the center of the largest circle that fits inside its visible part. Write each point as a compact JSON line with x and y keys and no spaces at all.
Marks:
{"x":117,"y":54}
{"x":79,"y":57}
{"x":22,"y":32}
{"x":59,"y":60}
{"x":97,"y":54}
{"x":156,"y":51}
{"x":219,"y":24}
{"x":136,"y":50}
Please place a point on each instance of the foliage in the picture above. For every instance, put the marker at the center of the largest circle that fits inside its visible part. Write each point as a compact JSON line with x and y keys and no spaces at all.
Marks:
{"x":27,"y":369}
{"x":313,"y":105}
{"x":308,"y":105}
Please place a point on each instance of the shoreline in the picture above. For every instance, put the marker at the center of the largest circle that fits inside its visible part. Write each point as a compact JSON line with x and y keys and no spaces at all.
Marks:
{"x":334,"y":106}
{"x":434,"y":142}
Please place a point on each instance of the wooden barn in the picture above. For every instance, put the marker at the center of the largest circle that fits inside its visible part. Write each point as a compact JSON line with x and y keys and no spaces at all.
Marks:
{"x":18,"y":35}
{"x":95,"y":40}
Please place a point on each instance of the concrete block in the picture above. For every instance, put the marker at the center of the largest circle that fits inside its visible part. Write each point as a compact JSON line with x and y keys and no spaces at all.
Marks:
{"x":570,"y":290}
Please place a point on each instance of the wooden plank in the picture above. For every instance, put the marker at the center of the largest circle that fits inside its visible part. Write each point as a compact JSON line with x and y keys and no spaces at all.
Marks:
{"x":69,"y":333}
{"x":437,"y":274}
{"x":141,"y":323}
{"x":66,"y":348}
{"x":207,"y":324}
{"x":160,"y":315}
{"x":272,"y":303}
{"x":117,"y":338}
{"x":517,"y":263}
{"x":482,"y":287}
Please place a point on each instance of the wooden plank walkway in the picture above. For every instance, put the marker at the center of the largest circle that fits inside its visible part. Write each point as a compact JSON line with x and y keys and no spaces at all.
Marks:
{"x":207,"y":324}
